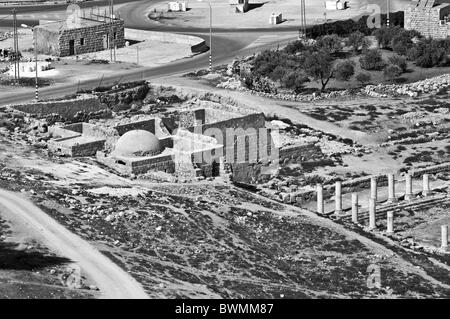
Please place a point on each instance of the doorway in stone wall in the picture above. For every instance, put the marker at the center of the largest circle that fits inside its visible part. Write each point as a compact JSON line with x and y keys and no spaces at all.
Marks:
{"x":71,"y":47}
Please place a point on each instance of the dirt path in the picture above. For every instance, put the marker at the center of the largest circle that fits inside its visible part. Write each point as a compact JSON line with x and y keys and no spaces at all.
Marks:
{"x":112,"y":281}
{"x":284,"y":109}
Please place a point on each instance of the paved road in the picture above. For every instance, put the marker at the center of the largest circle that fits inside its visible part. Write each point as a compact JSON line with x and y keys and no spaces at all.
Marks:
{"x":112,"y":281}
{"x":226,"y":46}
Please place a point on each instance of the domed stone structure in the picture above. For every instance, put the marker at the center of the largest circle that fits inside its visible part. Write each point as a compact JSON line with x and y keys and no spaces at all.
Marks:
{"x":137,"y":143}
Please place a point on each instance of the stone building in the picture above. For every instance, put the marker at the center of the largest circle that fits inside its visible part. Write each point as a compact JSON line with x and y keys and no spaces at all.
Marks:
{"x":65,"y":38}
{"x":429,"y":17}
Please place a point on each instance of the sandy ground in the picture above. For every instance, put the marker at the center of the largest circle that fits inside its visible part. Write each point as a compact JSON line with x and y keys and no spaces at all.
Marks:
{"x":224,"y":15}
{"x":112,"y":281}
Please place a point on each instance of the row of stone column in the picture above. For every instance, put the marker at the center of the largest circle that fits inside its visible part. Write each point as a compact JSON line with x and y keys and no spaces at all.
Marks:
{"x":373,"y":192}
{"x":373,"y":198}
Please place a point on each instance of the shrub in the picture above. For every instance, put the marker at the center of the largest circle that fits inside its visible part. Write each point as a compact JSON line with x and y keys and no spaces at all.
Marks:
{"x":385,"y":35}
{"x":430,"y":53}
{"x":344,"y":70}
{"x":391,"y":72}
{"x":363,"y":78}
{"x":294,"y":47}
{"x":358,"y":41}
{"x":264,"y":84}
{"x":294,"y":81}
{"x":372,"y":60}
{"x":329,"y":43}
{"x":402,"y":42}
{"x":400,"y":62}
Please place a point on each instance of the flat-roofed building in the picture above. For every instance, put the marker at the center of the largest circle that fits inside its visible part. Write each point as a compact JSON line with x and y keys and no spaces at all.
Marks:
{"x":429,"y":17}
{"x":83,"y":35}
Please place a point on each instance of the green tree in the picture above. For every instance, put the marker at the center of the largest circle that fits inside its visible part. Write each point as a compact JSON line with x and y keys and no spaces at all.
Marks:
{"x":318,"y":65}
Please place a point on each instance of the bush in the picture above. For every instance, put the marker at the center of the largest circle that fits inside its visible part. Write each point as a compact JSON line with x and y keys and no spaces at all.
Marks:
{"x":363,"y":78}
{"x":264,"y":84}
{"x":402,"y":42}
{"x":391,"y":72}
{"x":294,"y":81}
{"x":358,"y":41}
{"x":430,"y":53}
{"x":372,"y":61}
{"x":344,"y":70}
{"x":294,"y":47}
{"x":400,"y":62}
{"x":385,"y":35}
{"x":329,"y":43}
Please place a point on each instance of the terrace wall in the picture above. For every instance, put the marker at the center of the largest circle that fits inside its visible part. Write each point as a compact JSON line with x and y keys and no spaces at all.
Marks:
{"x":65,"y":108}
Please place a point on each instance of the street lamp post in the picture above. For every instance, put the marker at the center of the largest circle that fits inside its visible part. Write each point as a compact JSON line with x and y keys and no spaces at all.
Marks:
{"x":388,"y":13}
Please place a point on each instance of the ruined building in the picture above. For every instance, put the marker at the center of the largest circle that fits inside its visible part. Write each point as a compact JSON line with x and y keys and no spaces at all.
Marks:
{"x":82,"y":35}
{"x":429,"y":17}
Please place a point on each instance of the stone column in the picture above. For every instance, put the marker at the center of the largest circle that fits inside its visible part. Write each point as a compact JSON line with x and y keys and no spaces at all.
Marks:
{"x":373,"y":188}
{"x":391,"y":188}
{"x":390,"y":222}
{"x":426,"y":185}
{"x":444,"y":237}
{"x":355,"y":208}
{"x":408,"y":190}
{"x":338,"y":197}
{"x":320,"y":199}
{"x":372,"y":212}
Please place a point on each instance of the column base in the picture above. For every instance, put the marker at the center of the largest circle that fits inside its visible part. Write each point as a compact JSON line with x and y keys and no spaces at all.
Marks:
{"x":426,"y":193}
{"x":409,"y":196}
{"x":392,"y":200}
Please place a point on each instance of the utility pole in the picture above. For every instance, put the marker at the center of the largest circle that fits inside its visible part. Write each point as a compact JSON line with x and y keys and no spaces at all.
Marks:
{"x":210,"y":36}
{"x":112,"y":42}
{"x":16,"y":48}
{"x":302,"y":31}
{"x":36,"y":62}
{"x":114,"y":35}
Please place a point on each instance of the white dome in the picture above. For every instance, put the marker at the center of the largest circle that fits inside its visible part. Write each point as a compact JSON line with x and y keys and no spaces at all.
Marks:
{"x":137,"y":143}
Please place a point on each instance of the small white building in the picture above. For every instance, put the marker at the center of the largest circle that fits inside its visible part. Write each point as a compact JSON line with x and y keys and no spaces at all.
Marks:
{"x":177,"y":6}
{"x":276,"y":18}
{"x":336,"y":5}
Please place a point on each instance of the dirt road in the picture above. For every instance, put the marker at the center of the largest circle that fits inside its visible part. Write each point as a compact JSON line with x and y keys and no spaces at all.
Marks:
{"x":112,"y":281}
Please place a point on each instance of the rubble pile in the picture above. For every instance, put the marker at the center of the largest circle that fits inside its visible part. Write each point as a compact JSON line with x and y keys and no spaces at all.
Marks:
{"x":427,"y":86}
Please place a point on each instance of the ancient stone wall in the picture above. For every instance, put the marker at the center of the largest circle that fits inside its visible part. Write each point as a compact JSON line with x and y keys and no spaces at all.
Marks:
{"x":67,"y":109}
{"x":87,"y":149}
{"x":146,"y":125}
